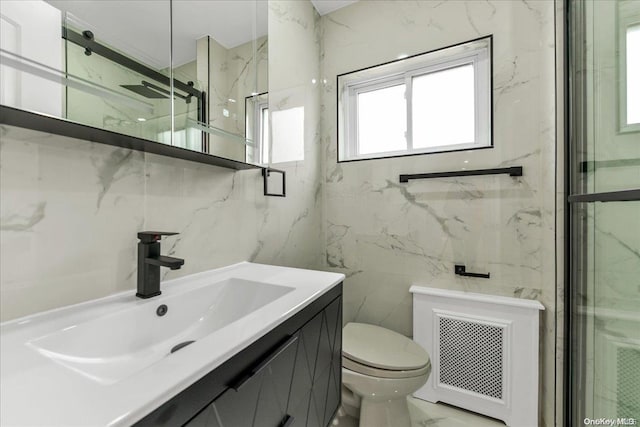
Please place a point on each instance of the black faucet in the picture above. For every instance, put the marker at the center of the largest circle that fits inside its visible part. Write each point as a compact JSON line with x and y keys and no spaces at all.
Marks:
{"x":150,"y":261}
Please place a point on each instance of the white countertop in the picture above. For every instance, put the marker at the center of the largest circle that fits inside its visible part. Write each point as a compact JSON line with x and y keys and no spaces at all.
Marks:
{"x":34,"y":390}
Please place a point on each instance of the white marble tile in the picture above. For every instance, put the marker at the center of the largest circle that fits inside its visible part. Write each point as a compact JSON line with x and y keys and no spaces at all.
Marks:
{"x":385,"y":235}
{"x":69,"y":213}
{"x":58,"y":195}
{"x":201,"y":203}
{"x":426,"y":414}
{"x":235,"y":74}
{"x":71,"y":209}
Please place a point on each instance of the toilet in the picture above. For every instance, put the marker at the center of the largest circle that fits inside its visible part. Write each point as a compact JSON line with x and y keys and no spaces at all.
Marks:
{"x":380,"y":368}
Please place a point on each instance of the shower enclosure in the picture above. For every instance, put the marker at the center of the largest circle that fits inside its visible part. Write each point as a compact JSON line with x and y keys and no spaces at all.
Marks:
{"x":603,"y":254}
{"x":141,"y":84}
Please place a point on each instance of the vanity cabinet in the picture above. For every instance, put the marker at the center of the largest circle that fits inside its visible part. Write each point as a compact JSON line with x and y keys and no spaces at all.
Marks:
{"x":260,"y":399}
{"x":289,"y":377}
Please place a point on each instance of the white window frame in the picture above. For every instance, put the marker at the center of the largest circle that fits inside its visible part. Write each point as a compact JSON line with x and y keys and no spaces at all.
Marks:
{"x":254,"y":130}
{"x":479,"y":58}
{"x":262,"y":146}
{"x":626,"y":19}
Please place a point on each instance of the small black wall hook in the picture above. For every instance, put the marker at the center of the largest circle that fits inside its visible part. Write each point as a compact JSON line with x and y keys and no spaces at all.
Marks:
{"x":461,"y":270}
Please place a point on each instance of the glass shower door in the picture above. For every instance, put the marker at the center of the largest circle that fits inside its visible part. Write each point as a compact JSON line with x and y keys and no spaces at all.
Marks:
{"x":604,"y":211}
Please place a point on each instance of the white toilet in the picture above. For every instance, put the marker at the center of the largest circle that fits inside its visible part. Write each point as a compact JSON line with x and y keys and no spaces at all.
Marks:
{"x":380,"y":368}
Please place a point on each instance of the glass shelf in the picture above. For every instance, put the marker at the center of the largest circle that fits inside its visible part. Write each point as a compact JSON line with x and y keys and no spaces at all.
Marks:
{"x":212,"y":130}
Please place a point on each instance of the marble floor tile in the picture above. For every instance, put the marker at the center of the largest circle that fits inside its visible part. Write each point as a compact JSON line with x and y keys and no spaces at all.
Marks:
{"x":426,"y":414}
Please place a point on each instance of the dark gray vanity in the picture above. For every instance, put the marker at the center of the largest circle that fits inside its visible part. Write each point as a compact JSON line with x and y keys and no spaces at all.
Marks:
{"x":289,"y":377}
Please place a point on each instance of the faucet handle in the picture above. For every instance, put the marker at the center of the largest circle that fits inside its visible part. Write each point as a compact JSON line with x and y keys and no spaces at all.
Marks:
{"x":153,"y":236}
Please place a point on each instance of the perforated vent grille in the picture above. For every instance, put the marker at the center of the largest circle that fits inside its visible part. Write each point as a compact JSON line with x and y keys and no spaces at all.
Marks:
{"x":471,"y":356}
{"x":628,"y":366}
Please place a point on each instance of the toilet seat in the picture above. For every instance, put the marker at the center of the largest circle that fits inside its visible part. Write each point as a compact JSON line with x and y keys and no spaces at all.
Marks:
{"x":383,"y":373}
{"x":379,"y":352}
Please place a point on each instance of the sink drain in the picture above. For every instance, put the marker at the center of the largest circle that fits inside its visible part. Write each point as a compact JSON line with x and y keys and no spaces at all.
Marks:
{"x":162,"y":310}
{"x":181,"y":345}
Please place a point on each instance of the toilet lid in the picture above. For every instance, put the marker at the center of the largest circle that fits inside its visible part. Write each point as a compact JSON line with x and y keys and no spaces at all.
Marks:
{"x":381,"y":348}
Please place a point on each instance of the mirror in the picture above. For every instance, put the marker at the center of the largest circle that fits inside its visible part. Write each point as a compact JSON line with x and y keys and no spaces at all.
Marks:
{"x":104,"y":64}
{"x":220,"y":48}
{"x":187,"y":73}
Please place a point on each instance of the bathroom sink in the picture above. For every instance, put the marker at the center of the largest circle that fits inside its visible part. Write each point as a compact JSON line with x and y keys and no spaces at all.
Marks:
{"x":117,"y":345}
{"x":113,"y":360}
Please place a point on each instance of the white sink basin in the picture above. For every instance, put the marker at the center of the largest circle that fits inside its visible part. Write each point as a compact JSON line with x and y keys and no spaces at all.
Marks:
{"x":117,"y":345}
{"x":108,"y":362}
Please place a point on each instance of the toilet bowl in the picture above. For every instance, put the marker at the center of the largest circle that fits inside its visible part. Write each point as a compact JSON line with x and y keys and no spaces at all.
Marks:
{"x":380,"y":368}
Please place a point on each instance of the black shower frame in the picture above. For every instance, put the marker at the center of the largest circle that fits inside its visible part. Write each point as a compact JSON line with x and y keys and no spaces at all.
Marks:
{"x":572,"y":169}
{"x":92,"y":46}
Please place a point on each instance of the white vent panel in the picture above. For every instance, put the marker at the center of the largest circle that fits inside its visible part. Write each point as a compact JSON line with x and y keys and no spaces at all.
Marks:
{"x":628,"y":387}
{"x":471,"y":356}
{"x":483,"y":350}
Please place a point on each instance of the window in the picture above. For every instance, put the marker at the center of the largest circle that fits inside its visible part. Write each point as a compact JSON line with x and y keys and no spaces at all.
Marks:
{"x":628,"y":56}
{"x":630,"y":67}
{"x":261,"y":136}
{"x":257,"y":128}
{"x":288,"y":125}
{"x":262,"y":124}
{"x":432,"y":102}
{"x":633,"y":74}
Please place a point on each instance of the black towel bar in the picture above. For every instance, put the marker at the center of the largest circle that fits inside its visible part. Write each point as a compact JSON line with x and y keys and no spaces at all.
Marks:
{"x":512,"y":171}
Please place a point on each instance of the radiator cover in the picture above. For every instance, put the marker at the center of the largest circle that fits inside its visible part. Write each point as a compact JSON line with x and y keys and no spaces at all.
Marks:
{"x":484,"y":352}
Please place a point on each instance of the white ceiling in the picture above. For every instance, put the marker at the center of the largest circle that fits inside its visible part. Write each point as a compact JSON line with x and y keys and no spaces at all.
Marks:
{"x":140,"y":28}
{"x":327,"y":6}
{"x":230,"y":22}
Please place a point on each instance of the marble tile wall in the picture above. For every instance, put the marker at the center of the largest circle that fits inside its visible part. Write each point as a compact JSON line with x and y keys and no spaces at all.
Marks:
{"x":296,"y":89}
{"x":70,"y":209}
{"x":384,"y":235}
{"x":235,"y":74}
